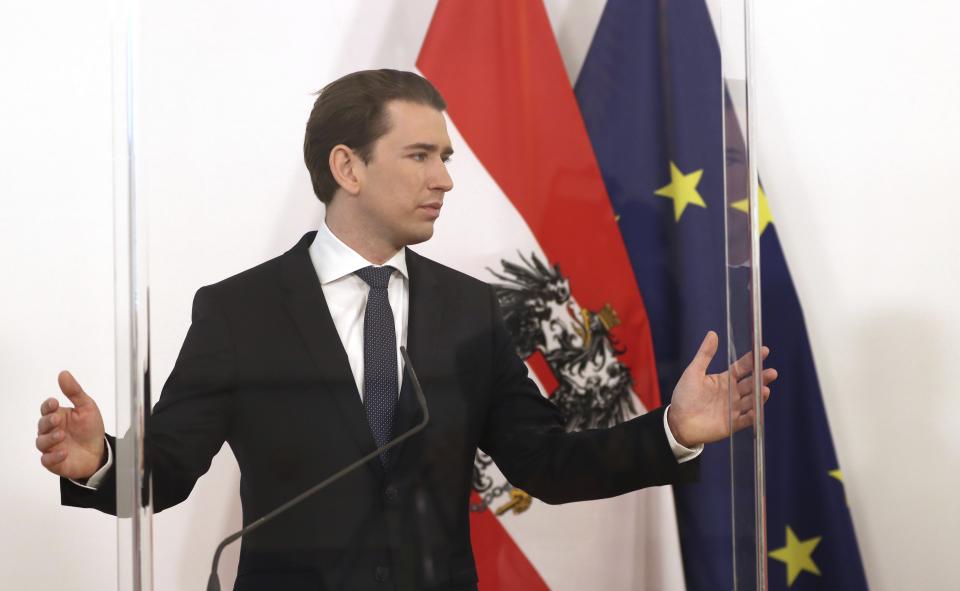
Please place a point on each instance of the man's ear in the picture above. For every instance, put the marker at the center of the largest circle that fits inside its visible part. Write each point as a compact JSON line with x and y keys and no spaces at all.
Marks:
{"x":346,"y":168}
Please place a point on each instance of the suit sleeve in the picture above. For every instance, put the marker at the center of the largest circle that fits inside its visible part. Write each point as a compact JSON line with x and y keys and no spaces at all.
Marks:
{"x":525,"y":436}
{"x":189,"y":423}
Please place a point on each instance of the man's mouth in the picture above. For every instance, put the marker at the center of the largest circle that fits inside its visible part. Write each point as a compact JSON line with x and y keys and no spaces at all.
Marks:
{"x":432,"y":208}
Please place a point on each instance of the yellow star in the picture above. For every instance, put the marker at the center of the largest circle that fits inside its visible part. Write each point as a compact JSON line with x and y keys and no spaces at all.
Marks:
{"x":838,"y":474}
{"x":797,"y":556}
{"x":682,"y":189}
{"x":766,"y":216}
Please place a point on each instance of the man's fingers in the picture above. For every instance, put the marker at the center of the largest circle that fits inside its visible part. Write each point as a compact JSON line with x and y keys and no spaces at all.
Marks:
{"x":745,"y":401}
{"x":769,"y":375}
{"x":708,"y":348}
{"x":51,"y":459}
{"x":48,"y":422}
{"x":743,"y":404}
{"x":745,"y":385}
{"x":45,"y":443}
{"x":744,"y":366}
{"x":742,"y":421}
{"x":72,"y":390}
{"x":49,"y":405}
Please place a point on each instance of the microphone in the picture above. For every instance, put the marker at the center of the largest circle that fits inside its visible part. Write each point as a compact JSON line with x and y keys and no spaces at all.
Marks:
{"x":213,"y":583}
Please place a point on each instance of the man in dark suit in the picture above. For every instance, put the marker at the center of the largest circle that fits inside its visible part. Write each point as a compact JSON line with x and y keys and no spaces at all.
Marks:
{"x":294,"y":364}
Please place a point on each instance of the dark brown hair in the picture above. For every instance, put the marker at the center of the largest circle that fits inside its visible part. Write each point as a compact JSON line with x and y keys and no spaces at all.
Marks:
{"x":351,"y":111}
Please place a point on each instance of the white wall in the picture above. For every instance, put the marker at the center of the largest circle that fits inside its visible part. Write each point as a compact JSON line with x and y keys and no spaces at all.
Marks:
{"x":56,"y":306}
{"x":859,"y":157}
{"x":857,"y":114}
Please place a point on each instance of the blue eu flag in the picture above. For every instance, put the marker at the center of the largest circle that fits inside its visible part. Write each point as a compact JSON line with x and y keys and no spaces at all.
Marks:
{"x":650,"y":92}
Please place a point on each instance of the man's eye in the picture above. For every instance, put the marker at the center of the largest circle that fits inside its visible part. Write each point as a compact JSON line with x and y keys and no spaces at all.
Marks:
{"x":419,"y":157}
{"x":447,"y":159}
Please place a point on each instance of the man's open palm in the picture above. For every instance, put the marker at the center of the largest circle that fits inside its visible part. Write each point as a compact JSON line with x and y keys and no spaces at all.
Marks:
{"x":700,"y":407}
{"x":71,"y":439}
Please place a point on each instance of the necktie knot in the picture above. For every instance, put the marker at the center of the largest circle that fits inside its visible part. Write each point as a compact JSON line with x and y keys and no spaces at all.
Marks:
{"x":376,"y":277}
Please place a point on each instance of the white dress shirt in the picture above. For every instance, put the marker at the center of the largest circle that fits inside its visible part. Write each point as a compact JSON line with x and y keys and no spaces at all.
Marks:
{"x":346,"y":296}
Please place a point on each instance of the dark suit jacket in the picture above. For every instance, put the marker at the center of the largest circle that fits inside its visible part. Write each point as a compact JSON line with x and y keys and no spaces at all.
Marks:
{"x":263,"y":369}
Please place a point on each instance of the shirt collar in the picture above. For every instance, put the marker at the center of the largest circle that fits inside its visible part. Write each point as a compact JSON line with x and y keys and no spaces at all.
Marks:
{"x":333,"y":259}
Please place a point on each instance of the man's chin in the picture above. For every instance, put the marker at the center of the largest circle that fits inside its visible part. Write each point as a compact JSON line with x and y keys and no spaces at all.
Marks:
{"x":420,"y":234}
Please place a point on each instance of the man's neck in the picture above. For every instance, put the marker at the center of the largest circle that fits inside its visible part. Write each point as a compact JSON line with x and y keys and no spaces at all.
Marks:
{"x":358,"y":238}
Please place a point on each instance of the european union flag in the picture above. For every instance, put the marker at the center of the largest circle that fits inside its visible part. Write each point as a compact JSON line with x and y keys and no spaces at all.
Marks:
{"x":649,"y":92}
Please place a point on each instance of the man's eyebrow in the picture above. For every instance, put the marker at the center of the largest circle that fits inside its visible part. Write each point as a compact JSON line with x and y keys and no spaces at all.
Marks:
{"x":428,"y":148}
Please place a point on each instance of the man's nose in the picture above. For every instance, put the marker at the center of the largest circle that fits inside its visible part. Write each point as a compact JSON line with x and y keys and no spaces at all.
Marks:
{"x":442,"y":181}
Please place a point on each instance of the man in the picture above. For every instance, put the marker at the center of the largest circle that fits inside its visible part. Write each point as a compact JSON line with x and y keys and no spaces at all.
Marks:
{"x":295,"y":364}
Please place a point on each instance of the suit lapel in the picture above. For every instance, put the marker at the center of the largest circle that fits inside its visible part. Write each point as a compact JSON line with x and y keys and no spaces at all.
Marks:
{"x":308,"y":308}
{"x":424,"y":324}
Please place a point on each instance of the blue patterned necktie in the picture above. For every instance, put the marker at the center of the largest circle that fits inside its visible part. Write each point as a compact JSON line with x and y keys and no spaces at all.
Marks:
{"x":379,"y":357}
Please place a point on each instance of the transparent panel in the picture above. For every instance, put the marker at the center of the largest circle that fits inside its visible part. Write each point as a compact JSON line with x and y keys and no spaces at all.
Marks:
{"x":743,"y":297}
{"x":131,"y":301}
{"x":254,"y":379}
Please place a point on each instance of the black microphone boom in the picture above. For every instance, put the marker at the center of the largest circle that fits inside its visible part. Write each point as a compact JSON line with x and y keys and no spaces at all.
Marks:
{"x":213,"y":583}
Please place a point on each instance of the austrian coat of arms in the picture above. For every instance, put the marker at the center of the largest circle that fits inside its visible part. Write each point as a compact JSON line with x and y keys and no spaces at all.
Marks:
{"x":588,"y":383}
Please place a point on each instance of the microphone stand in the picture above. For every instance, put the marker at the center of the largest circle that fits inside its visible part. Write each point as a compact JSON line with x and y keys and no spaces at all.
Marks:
{"x":213,"y":583}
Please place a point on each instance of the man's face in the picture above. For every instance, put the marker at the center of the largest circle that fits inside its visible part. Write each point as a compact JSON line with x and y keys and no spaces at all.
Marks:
{"x":402,"y":187}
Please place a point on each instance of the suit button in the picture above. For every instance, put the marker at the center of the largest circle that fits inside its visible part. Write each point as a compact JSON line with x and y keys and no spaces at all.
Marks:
{"x":391,"y":494}
{"x":381,"y":574}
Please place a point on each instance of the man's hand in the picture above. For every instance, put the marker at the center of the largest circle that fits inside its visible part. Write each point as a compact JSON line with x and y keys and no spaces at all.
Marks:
{"x":71,"y":439}
{"x":700,"y":408}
